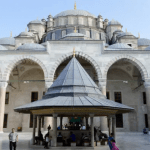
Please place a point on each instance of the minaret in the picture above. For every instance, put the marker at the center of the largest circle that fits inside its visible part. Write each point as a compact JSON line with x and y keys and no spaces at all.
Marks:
{"x":11,"y":34}
{"x":75,"y":5}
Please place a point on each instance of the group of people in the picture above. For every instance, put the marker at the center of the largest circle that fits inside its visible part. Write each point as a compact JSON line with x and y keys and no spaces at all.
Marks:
{"x":13,"y":138}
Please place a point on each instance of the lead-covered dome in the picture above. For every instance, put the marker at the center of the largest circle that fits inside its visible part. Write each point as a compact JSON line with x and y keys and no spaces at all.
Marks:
{"x":2,"y":48}
{"x":114,"y":22}
{"x":143,"y":42}
{"x":7,"y":41}
{"x":31,"y":46}
{"x":119,"y":46}
{"x":26,"y":34}
{"x":74,"y":12}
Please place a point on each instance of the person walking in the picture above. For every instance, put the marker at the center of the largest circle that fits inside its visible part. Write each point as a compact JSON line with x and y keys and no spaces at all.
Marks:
{"x":13,"y":138}
{"x":114,"y":147}
{"x":109,"y":141}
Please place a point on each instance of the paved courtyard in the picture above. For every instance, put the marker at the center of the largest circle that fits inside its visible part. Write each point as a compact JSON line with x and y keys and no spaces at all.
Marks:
{"x":125,"y":141}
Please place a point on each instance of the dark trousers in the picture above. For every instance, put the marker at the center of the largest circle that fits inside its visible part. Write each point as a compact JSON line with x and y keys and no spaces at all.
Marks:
{"x":12,"y":144}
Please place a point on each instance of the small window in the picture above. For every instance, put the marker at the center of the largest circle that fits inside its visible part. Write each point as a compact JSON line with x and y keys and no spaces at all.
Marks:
{"x":118,"y":97}
{"x":43,"y":93}
{"x":5,"y":120}
{"x":7,"y":98}
{"x":34,"y":96}
{"x":119,"y":121}
{"x":130,"y":45}
{"x":144,"y":97}
{"x":31,"y":121}
{"x":107,"y":95}
{"x":146,"y":120}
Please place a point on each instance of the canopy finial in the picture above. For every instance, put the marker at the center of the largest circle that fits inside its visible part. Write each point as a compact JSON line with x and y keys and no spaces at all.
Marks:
{"x":74,"y":53}
{"x":75,"y":5}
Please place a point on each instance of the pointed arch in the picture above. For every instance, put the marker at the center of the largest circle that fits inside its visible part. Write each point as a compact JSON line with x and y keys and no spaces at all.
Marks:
{"x":130,"y":59}
{"x":16,"y":61}
{"x":80,"y":54}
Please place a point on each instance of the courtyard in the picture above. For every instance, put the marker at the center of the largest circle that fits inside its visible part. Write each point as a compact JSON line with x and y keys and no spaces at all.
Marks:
{"x":125,"y":141}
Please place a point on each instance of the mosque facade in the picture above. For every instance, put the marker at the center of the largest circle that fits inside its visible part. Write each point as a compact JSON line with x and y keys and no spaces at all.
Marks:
{"x":117,"y":61}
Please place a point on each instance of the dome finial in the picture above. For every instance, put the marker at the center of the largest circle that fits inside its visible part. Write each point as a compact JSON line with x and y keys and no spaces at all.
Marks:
{"x":26,"y":30}
{"x":11,"y":34}
{"x":126,"y":29}
{"x":74,"y":53}
{"x":75,"y":30}
{"x":75,"y":5}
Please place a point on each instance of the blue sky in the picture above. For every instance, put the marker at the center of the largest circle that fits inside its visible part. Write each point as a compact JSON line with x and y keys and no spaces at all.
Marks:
{"x":132,"y":14}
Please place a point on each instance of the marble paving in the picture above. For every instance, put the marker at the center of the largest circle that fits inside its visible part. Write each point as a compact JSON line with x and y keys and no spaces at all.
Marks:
{"x":125,"y":141}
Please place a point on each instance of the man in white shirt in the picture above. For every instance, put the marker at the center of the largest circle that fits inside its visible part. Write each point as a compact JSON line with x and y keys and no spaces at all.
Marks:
{"x":13,"y":138}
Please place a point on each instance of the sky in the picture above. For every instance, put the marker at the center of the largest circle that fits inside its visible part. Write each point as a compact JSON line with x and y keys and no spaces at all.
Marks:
{"x":132,"y":14}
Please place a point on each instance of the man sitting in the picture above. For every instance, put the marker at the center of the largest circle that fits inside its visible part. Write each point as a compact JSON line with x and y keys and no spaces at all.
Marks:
{"x":145,"y":131}
{"x":72,"y":138}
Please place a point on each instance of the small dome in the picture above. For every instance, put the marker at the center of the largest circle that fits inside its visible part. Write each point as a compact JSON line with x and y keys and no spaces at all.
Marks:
{"x":147,"y":49}
{"x":2,"y":48}
{"x":74,"y":12}
{"x":119,"y":46}
{"x":31,"y":46}
{"x":7,"y":41}
{"x":26,"y":34}
{"x":124,"y":34}
{"x":36,"y":22}
{"x":143,"y":42}
{"x":114,"y":22}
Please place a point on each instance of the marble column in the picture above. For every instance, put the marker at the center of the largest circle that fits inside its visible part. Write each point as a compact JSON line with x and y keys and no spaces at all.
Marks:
{"x":103,"y":120}
{"x":3,"y":86}
{"x":114,"y":126}
{"x":39,"y":125}
{"x":147,"y":88}
{"x":61,"y":118}
{"x":92,"y":129}
{"x":54,"y":130}
{"x":48,"y":120}
{"x":33,"y":134}
{"x":109,"y":125}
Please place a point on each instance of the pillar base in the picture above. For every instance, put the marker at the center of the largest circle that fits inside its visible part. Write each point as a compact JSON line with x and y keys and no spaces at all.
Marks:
{"x":1,"y":132}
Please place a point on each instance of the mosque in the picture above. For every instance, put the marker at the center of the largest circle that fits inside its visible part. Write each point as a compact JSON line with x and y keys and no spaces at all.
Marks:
{"x":117,"y":61}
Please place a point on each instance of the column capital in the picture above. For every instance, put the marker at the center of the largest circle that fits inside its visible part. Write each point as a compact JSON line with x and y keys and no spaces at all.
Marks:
{"x":3,"y":84}
{"x":55,"y":115}
{"x":91,"y":115}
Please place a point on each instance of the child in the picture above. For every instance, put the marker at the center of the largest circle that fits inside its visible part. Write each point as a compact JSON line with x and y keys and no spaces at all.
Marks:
{"x":46,"y":141}
{"x":114,"y":147}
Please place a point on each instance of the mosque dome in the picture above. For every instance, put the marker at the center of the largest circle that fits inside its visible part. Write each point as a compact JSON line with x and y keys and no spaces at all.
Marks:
{"x":124,"y":34}
{"x":24,"y":34}
{"x":143,"y":42}
{"x":31,"y":46}
{"x":7,"y":41}
{"x":119,"y":46}
{"x":74,"y":12}
{"x":36,"y":22}
{"x":74,"y":35}
{"x":2,"y":48}
{"x":147,"y":49}
{"x":114,"y":22}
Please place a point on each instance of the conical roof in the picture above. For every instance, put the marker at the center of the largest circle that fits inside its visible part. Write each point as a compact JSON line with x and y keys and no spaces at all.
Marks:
{"x":74,"y":89}
{"x":74,"y":81}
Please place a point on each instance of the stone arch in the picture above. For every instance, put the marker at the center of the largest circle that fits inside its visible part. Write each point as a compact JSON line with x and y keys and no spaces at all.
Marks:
{"x":17,"y":61}
{"x":80,"y":54}
{"x":130,"y":59}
